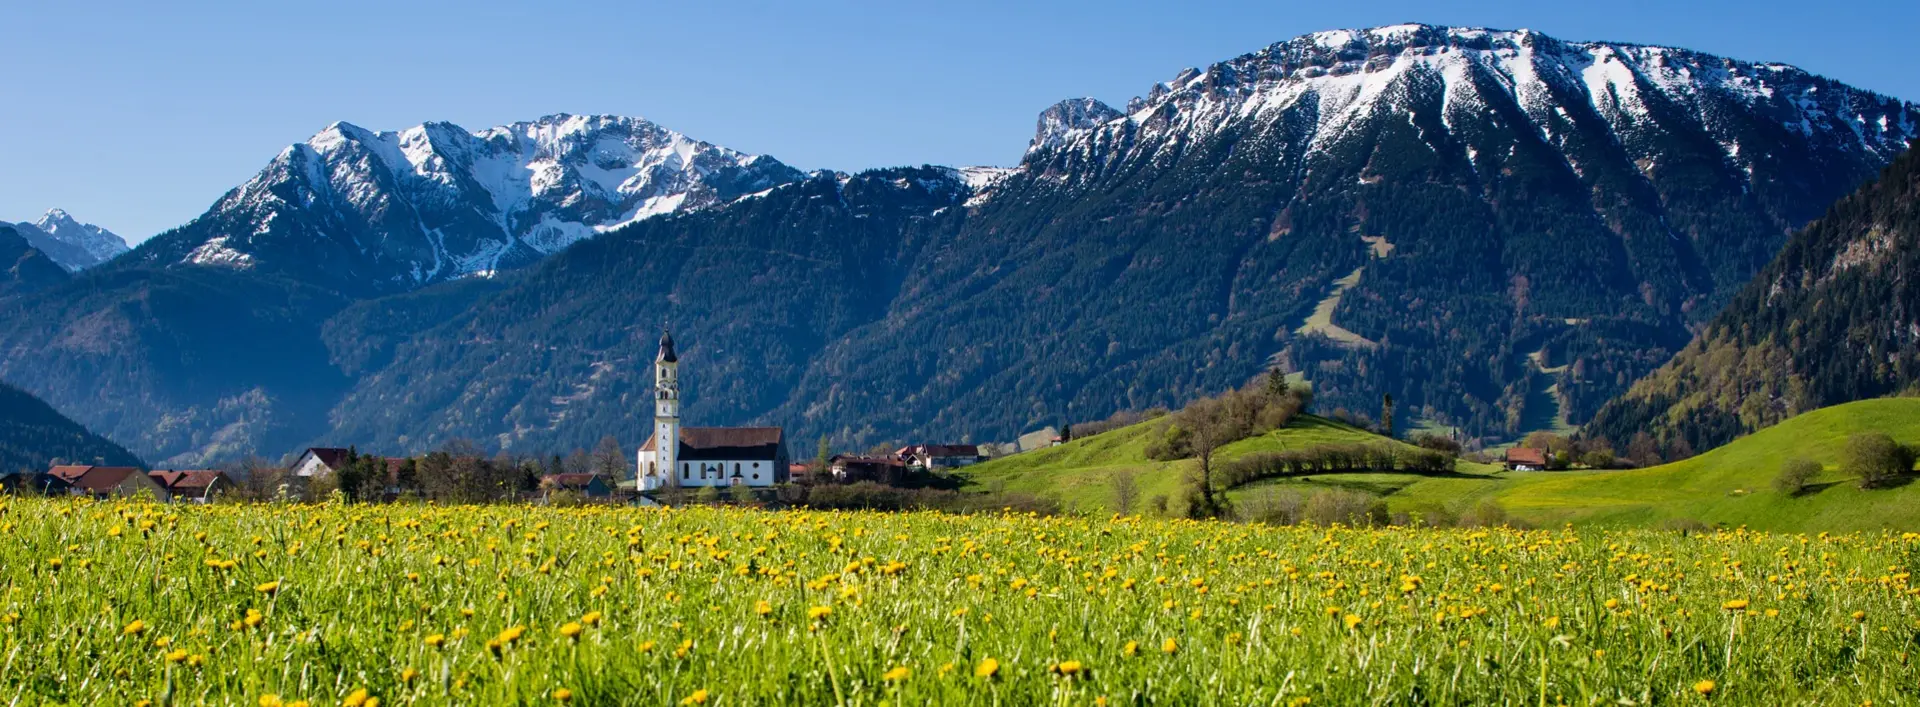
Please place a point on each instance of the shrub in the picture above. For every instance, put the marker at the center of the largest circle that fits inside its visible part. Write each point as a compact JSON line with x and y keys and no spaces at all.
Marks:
{"x":1794,"y":476}
{"x":1342,"y":506}
{"x":1486,"y":514}
{"x":1876,"y":459}
{"x":1438,"y":443}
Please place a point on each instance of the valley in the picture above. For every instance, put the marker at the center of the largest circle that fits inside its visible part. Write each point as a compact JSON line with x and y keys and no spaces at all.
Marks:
{"x":414,"y":287}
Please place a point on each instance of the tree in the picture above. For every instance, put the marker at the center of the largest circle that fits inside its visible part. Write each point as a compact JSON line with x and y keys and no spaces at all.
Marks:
{"x":1276,"y":381}
{"x":608,"y":460}
{"x":1643,"y":451}
{"x":822,"y":455}
{"x":1212,"y":429}
{"x":1794,"y":476}
{"x":1126,"y":491}
{"x":1876,"y":459}
{"x":1386,"y":415}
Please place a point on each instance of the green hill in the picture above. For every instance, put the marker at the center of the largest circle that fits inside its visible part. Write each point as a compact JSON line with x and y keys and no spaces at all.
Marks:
{"x":1731,"y":485}
{"x":1080,"y":473}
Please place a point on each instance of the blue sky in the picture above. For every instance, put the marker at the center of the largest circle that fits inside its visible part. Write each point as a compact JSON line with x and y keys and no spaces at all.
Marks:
{"x":138,"y":115}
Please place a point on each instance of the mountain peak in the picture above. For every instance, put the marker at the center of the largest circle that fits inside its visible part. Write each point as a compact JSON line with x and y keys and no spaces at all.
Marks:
{"x":72,"y":244}
{"x":1067,"y":118}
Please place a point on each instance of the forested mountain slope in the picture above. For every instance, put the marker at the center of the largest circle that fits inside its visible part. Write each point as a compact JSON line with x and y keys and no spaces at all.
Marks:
{"x":1834,"y":318}
{"x":24,"y":268}
{"x":33,"y":435}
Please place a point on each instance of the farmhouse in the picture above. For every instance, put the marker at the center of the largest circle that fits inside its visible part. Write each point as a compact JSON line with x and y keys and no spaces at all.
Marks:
{"x":33,"y":482}
{"x":319,"y":461}
{"x":198,"y":486}
{"x":848,"y":468}
{"x":587,"y":485}
{"x":103,"y":482}
{"x":1524,"y":459}
{"x":703,"y":456}
{"x":935,"y":457}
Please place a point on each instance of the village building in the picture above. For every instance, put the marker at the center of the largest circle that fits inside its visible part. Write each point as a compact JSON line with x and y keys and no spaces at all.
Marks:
{"x":850,"y":468}
{"x":675,"y":456}
{"x":938,"y":457}
{"x":319,"y":461}
{"x":1524,"y":459}
{"x":36,"y":483}
{"x":587,"y":485}
{"x":104,"y":482}
{"x":198,"y":486}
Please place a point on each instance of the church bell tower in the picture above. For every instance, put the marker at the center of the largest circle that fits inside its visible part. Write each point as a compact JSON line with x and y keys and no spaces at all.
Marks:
{"x":666,"y":410}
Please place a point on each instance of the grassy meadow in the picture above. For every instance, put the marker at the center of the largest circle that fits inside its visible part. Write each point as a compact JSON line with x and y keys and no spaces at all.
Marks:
{"x":128,"y":603}
{"x":1730,"y":486}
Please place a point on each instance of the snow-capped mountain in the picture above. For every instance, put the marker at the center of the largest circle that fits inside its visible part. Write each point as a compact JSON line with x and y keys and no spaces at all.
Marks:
{"x":389,"y":211}
{"x":72,"y":244}
{"x":1341,"y":81}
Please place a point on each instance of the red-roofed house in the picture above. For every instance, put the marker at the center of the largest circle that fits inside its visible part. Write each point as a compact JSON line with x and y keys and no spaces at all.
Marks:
{"x":105,"y":482}
{"x":198,"y":485}
{"x":1524,"y":459}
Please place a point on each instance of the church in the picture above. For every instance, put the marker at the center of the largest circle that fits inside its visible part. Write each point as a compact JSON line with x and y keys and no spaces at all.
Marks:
{"x":676,"y":456}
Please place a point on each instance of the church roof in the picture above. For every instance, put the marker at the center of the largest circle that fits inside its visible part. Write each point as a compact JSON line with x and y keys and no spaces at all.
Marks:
{"x":666,"y":348}
{"x":712,"y":443}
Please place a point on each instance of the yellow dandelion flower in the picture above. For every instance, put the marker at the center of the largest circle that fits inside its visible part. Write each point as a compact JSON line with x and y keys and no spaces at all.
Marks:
{"x":1704,"y":687}
{"x":435,"y":640}
{"x":987,"y":668}
{"x":571,"y":630}
{"x":1131,"y":649}
{"x":562,"y":695}
{"x":762,"y":607}
{"x":134,"y":629}
{"x":1170,"y":647}
{"x":592,"y":618}
{"x":1734,"y":605}
{"x":1069,"y":668}
{"x":357,"y":698}
{"x":270,"y":701}
{"x":897,"y":674}
{"x":819,"y":613}
{"x":699,"y":697}
{"x":177,"y":655}
{"x":268,"y":588}
{"x":407,"y":675}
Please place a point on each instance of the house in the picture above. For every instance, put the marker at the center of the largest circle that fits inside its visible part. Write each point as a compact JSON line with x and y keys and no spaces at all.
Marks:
{"x":703,"y":456}
{"x":198,"y":485}
{"x":319,"y":461}
{"x":935,"y":457}
{"x":36,"y":483}
{"x":588,"y":485}
{"x":103,"y":482}
{"x":1524,"y":459}
{"x":849,"y":468}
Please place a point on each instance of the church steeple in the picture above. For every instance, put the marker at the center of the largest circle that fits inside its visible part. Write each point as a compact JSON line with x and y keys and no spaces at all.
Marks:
{"x":666,"y":348}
